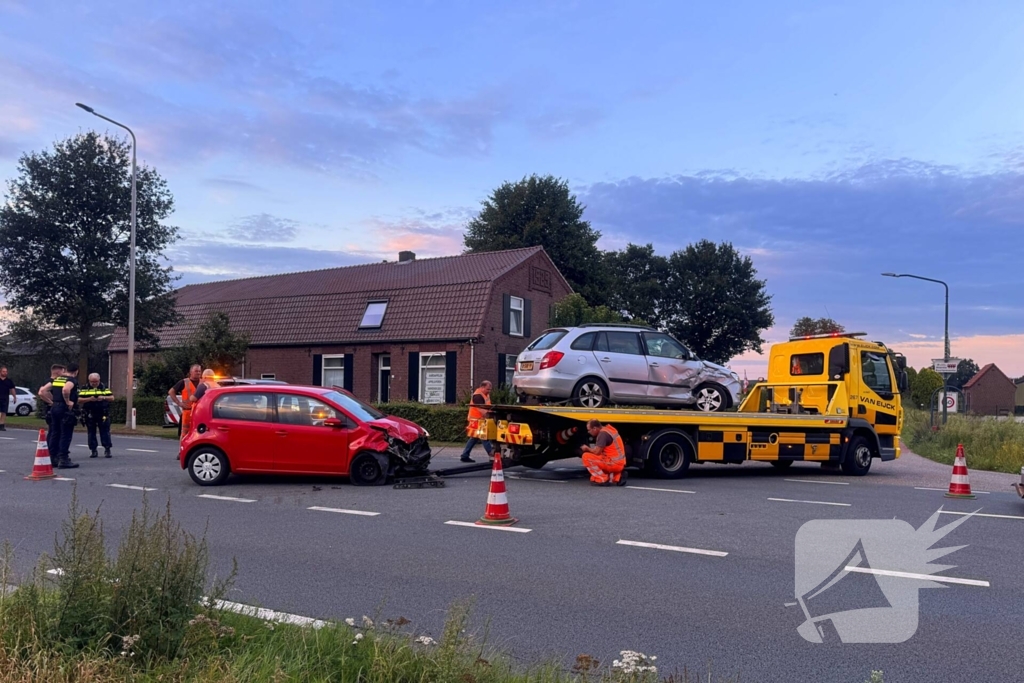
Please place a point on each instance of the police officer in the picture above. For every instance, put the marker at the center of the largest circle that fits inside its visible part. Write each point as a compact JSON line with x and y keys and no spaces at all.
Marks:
{"x":95,"y":400}
{"x":67,"y":413}
{"x":50,"y":393}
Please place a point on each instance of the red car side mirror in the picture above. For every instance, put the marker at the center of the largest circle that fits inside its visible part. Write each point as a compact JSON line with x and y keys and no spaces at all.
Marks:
{"x":333,"y":422}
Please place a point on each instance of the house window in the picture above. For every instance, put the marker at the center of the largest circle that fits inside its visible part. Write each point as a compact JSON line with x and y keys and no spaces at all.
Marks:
{"x":373,"y":316}
{"x":432,"y":377}
{"x":510,"y":368}
{"x":515,"y":316}
{"x":333,"y":371}
{"x":268,"y":375}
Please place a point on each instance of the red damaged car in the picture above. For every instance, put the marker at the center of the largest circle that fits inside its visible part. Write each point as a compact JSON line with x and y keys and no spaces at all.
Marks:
{"x":298,"y":430}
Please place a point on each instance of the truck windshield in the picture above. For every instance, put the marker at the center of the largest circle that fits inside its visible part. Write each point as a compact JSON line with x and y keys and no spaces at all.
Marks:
{"x":875,"y":371}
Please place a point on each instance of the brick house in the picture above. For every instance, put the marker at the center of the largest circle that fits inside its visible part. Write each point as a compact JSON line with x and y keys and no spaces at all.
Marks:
{"x":1018,"y":403}
{"x":414,"y":329}
{"x":990,"y":392}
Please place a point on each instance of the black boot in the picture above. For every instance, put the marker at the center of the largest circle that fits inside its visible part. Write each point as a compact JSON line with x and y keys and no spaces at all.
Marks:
{"x":106,"y":453}
{"x":93,"y":453}
{"x":65,"y":464}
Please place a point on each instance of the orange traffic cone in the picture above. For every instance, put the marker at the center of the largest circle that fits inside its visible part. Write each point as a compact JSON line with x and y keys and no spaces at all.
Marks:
{"x":959,"y":483}
{"x":42,"y":468}
{"x":496,"y":513}
{"x":563,"y":436}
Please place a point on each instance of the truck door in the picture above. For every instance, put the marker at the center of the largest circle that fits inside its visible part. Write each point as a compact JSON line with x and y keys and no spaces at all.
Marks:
{"x":669,"y":367}
{"x":621,"y":359}
{"x":878,"y":392}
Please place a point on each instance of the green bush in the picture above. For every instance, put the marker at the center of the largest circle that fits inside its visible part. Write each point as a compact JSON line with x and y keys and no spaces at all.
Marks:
{"x":989,"y":444}
{"x":149,"y":410}
{"x":445,"y":423}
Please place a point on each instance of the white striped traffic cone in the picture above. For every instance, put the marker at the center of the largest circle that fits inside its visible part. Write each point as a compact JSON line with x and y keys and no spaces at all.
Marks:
{"x":959,"y":482}
{"x":42,"y":467}
{"x":497,"y":513}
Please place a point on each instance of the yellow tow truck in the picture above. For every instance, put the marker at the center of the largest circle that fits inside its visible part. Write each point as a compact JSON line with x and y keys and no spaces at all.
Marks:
{"x":833,"y":399}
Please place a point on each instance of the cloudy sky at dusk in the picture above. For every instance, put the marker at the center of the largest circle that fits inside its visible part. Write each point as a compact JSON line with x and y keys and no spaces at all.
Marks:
{"x":829,"y":141}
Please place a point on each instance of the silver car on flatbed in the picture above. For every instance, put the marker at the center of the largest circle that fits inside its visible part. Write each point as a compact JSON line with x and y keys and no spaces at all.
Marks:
{"x":597,"y":364}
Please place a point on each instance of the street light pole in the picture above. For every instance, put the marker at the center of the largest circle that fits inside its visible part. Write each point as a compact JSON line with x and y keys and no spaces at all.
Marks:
{"x":945,"y":379}
{"x":129,"y":391}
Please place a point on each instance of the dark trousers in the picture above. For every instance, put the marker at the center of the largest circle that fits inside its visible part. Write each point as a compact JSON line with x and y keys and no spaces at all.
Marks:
{"x":62,"y":428}
{"x":473,"y":441}
{"x":52,"y":436}
{"x":101,"y":423}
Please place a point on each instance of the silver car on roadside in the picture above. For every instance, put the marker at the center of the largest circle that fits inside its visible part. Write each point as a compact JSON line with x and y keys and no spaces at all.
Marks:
{"x":594,"y":365}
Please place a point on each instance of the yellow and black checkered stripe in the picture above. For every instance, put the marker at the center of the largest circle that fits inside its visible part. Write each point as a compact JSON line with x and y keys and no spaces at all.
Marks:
{"x":739,"y":445}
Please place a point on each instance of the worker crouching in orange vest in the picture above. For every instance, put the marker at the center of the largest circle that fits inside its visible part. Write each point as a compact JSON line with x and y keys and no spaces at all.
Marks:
{"x":606,"y":459}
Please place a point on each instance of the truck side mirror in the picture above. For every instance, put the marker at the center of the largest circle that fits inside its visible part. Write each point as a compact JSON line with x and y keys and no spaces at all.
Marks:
{"x":902,"y":381}
{"x":838,"y":361}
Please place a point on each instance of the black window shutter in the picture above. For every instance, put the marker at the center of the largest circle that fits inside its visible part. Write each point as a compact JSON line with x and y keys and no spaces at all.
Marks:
{"x":506,"y":307}
{"x":501,"y":370}
{"x":527,"y":311}
{"x":318,"y":369}
{"x":414,"y":376}
{"x":348,"y":371}
{"x":451,"y":363}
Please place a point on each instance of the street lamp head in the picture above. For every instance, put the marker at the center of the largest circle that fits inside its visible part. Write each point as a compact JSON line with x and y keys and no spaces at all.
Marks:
{"x":85,"y":107}
{"x":890,"y":275}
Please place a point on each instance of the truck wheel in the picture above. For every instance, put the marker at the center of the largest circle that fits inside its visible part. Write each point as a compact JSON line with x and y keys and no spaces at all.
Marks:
{"x":781,"y":464}
{"x":858,"y":457}
{"x":366,"y":470}
{"x":711,"y":398}
{"x":590,"y":392}
{"x":669,"y":455}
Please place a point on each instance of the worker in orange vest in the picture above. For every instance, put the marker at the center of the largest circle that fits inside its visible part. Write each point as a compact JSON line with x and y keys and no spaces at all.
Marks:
{"x":182,"y":394}
{"x":477,"y":412}
{"x":606,"y":459}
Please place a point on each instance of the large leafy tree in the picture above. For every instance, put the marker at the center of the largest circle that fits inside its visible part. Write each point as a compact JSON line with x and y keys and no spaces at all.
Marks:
{"x":637,"y":277}
{"x":925,"y":384}
{"x":64,"y":241}
{"x":714,"y":301}
{"x":964,"y":372}
{"x":574,"y":310}
{"x":213,"y":345}
{"x":541,"y":211}
{"x":807,"y":326}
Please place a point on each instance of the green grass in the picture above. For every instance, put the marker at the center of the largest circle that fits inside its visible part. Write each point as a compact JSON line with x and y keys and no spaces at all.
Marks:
{"x":989,"y":444}
{"x":33,"y":422}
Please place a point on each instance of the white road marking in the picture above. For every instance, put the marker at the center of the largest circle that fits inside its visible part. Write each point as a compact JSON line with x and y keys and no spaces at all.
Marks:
{"x":517,"y":529}
{"x":63,"y":478}
{"x":819,"y":481}
{"x":674,"y":548}
{"x":82,"y":445}
{"x":2,"y":471}
{"x":55,"y":572}
{"x":345,"y":512}
{"x":651,"y":488}
{"x":234,"y":500}
{"x":8,"y":438}
{"x":550,"y":481}
{"x":922,"y":577}
{"x":979,"y":514}
{"x":140,"y":450}
{"x":925,"y":488}
{"x":130,"y":487}
{"x":266,"y":614}
{"x":812,"y":502}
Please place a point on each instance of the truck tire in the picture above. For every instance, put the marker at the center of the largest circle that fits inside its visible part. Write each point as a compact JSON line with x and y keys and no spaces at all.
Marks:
{"x":857,"y":461}
{"x":669,"y":454}
{"x":590,"y":392}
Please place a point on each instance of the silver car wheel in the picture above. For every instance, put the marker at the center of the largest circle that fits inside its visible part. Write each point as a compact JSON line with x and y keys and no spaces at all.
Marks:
{"x":591,"y":395}
{"x":206,"y":466}
{"x":709,"y":399}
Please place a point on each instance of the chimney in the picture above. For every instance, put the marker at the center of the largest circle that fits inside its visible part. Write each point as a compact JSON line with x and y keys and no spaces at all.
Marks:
{"x":406,"y":256}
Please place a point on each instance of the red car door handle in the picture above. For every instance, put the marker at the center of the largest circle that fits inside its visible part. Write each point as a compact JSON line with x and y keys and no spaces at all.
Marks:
{"x":281,"y":432}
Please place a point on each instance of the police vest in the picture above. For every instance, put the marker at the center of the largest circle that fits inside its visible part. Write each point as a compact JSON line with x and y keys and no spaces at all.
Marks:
{"x":100,"y":391}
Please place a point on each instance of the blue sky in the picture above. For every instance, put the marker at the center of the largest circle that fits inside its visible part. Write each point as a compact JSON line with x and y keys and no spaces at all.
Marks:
{"x":830,"y":142}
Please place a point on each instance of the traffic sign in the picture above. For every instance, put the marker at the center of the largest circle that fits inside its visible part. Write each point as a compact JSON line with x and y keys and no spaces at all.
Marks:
{"x":946,"y":367}
{"x":952,"y":401}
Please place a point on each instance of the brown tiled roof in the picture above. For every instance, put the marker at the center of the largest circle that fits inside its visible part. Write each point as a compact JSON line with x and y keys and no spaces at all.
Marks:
{"x":974,"y":380}
{"x":429,"y":299}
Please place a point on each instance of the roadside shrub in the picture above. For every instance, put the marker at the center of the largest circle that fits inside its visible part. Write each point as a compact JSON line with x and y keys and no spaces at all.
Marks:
{"x":149,"y":410}
{"x":990,"y":444}
{"x":445,"y":423}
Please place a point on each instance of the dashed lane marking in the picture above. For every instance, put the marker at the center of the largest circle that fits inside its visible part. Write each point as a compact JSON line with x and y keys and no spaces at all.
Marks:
{"x":8,"y":438}
{"x":210,"y":496}
{"x":925,"y":488}
{"x":651,"y":488}
{"x":812,"y":502}
{"x":979,"y":514}
{"x":63,"y":478}
{"x":130,"y":487}
{"x":674,"y":548}
{"x":345,"y":512}
{"x":922,"y":577}
{"x":517,"y":529}
{"x":549,"y":481}
{"x":267,"y":614}
{"x":819,"y":481}
{"x":140,"y":450}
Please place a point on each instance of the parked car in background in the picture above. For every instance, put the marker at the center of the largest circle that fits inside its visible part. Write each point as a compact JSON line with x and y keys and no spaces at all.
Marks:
{"x":172,"y":412}
{"x":25,"y":403}
{"x":288,"y":429}
{"x":596,"y":364}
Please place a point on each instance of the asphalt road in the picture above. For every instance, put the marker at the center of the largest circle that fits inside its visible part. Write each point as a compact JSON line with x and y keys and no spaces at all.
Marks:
{"x":568,"y":585}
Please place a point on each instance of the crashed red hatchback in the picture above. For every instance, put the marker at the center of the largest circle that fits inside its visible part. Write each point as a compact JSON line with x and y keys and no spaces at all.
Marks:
{"x":289,"y":429}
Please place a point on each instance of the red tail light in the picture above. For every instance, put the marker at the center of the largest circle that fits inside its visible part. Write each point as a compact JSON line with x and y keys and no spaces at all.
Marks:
{"x":550,"y":359}
{"x":513,"y":429}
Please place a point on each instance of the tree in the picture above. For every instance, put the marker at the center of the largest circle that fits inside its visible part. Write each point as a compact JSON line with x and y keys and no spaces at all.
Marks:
{"x":714,"y":301}
{"x":64,"y":241}
{"x":574,"y":310}
{"x":964,"y":372}
{"x":541,"y":211}
{"x":908,"y":395}
{"x":213,"y":345}
{"x":924,"y":387}
{"x":807,"y":327}
{"x":637,"y":277}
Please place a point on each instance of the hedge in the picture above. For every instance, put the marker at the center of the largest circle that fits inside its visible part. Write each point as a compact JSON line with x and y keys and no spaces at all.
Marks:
{"x":445,"y":423}
{"x":149,"y":410}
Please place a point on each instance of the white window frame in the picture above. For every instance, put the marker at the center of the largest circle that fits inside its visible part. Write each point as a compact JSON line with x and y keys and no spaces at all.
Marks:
{"x":443,"y":367}
{"x":510,"y":367}
{"x":270,"y":375}
{"x":512,"y":309}
{"x":362,"y":321}
{"x":324,"y":368}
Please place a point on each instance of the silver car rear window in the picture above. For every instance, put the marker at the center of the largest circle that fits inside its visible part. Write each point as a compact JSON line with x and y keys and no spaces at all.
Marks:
{"x":546,"y":340}
{"x":585,"y":342}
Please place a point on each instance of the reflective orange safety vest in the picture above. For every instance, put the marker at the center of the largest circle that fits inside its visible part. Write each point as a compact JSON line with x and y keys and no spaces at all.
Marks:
{"x":476,"y":413}
{"x":187,"y":393}
{"x":614,"y":453}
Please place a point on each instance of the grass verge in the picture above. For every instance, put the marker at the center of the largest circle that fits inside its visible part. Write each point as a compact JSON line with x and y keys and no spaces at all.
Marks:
{"x":33,"y":422}
{"x":989,"y":444}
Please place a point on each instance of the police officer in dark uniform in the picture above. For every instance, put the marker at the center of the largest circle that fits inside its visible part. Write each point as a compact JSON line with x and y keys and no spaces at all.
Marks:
{"x":63,"y":415}
{"x":95,"y":398}
{"x":50,"y":393}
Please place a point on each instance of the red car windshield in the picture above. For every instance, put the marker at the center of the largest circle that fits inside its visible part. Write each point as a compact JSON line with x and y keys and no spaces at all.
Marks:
{"x":354,"y":406}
